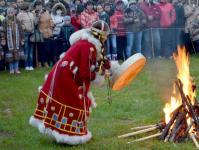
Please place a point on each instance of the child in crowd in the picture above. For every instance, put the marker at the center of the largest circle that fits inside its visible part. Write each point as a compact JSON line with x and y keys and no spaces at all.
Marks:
{"x":66,"y":31}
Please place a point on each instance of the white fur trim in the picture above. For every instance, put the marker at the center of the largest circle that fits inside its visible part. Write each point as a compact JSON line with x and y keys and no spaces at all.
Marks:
{"x":64,"y":138}
{"x":35,"y":122}
{"x":46,"y":77}
{"x":39,"y":89}
{"x":71,"y":64}
{"x":62,"y":55}
{"x":75,"y":70}
{"x":92,"y":98}
{"x":85,"y":34}
{"x":99,"y":81}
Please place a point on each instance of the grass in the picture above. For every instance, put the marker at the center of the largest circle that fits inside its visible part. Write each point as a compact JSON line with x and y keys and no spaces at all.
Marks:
{"x":140,"y":103}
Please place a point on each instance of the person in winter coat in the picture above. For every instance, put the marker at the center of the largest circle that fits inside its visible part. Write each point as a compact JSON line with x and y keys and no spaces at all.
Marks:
{"x":152,"y":42}
{"x":45,"y":25}
{"x":65,"y":101}
{"x":118,"y":35}
{"x":58,"y":13}
{"x":27,"y":20}
{"x":66,"y":31}
{"x":191,"y":9}
{"x":167,"y":19}
{"x":75,"y":19}
{"x":88,"y":16}
{"x":135,"y":21}
{"x":179,"y":24}
{"x":13,"y":40}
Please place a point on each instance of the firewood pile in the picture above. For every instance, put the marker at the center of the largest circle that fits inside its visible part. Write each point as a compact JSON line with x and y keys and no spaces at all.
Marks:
{"x":183,"y":125}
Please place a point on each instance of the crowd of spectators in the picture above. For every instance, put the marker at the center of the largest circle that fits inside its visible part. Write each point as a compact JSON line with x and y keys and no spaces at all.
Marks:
{"x":35,"y":33}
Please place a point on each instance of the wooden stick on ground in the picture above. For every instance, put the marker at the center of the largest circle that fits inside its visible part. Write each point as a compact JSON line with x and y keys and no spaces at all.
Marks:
{"x":145,"y":138}
{"x":143,"y":127}
{"x":138,"y":132}
{"x":192,"y":136}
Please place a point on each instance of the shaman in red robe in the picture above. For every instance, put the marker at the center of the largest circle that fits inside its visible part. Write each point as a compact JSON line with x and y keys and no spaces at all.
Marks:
{"x":64,"y":102}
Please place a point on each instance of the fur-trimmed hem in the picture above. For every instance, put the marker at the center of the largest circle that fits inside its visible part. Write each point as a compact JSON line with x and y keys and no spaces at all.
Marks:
{"x":39,"y":89}
{"x":92,"y":98}
{"x":62,"y":55}
{"x":64,"y":138}
{"x":35,"y":122}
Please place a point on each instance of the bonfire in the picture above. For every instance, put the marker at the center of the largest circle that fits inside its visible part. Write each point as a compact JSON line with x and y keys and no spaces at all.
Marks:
{"x":181,"y":121}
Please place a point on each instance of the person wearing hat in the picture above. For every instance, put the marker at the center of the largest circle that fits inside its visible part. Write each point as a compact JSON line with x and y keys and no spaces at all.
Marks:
{"x":12,"y":38}
{"x":88,"y":16}
{"x":65,"y":101}
{"x":66,"y":31}
{"x":45,"y":25}
{"x":57,"y":14}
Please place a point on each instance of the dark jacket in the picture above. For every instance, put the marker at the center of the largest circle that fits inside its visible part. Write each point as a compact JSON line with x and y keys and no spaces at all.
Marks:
{"x":105,"y":17}
{"x":66,"y":32}
{"x":180,"y":16}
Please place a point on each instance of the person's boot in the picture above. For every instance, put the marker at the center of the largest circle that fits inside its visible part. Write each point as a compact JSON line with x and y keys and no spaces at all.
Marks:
{"x":39,"y":65}
{"x":46,"y":65}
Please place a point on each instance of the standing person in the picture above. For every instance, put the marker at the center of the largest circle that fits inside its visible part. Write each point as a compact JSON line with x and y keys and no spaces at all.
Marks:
{"x":64,"y":102}
{"x":190,"y":8}
{"x":88,"y":16}
{"x":66,"y":31}
{"x":45,"y":26}
{"x":58,"y":13}
{"x":135,"y":21}
{"x":75,"y":19}
{"x":27,"y":20}
{"x":13,"y":40}
{"x":167,"y":19}
{"x":118,"y":36}
{"x":152,"y":42}
{"x":179,"y":23}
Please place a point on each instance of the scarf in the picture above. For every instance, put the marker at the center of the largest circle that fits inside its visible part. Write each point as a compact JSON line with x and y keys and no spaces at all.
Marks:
{"x":13,"y":40}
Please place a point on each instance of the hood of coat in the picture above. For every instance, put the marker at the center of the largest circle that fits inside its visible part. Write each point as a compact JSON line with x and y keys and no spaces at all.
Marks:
{"x":191,"y":2}
{"x":59,"y":6}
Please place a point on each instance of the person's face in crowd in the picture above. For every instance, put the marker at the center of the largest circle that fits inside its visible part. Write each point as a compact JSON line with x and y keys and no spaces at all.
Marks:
{"x":99,"y":9}
{"x":38,"y":7}
{"x":163,"y":1}
{"x":11,"y":14}
{"x":73,"y":13}
{"x":67,"y":22}
{"x":131,"y":14}
{"x":107,"y":8}
{"x":77,"y":2}
{"x":133,"y":5}
{"x":2,"y":3}
{"x":89,"y":7}
{"x":120,"y":6}
{"x":59,"y":12}
{"x":194,"y":2}
{"x":20,"y":2}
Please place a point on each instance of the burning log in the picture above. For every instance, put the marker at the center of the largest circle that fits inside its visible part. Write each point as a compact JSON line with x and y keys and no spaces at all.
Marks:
{"x":168,"y":126}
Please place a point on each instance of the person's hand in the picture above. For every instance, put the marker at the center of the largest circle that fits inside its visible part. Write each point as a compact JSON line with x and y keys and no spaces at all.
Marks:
{"x":3,"y":42}
{"x":137,"y":20}
{"x":150,"y":18}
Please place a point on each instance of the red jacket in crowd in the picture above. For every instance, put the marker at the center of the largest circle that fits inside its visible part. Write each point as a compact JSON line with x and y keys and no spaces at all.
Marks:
{"x":117,"y":23}
{"x":153,"y":14}
{"x":168,"y":15}
{"x":88,"y":18}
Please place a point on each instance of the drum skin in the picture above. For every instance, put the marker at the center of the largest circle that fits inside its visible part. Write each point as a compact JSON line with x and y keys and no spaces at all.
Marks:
{"x":128,"y":71}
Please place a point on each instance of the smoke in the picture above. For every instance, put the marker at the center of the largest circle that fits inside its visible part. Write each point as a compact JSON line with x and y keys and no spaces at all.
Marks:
{"x":163,"y":74}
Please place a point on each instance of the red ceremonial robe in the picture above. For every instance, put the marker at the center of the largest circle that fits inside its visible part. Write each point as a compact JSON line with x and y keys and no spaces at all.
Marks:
{"x":63,"y":106}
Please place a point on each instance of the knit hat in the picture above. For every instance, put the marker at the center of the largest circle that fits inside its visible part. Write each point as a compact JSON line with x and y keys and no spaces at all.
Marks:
{"x":67,"y":18}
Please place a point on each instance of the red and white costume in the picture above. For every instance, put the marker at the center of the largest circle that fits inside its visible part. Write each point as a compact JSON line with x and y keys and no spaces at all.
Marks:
{"x":64,"y":102}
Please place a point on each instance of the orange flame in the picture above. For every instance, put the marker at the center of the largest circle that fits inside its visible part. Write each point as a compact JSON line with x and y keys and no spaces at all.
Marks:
{"x":182,"y":63}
